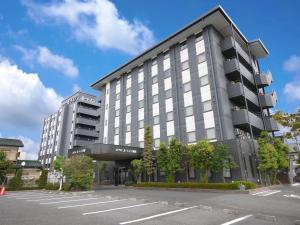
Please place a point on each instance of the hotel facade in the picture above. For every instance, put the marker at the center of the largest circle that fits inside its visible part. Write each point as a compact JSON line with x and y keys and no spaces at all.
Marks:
{"x":203,"y":82}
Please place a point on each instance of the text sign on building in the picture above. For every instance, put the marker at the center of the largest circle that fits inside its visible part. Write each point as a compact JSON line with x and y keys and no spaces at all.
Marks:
{"x":126,"y":150}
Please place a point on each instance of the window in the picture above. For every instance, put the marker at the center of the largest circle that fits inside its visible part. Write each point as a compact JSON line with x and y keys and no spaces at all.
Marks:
{"x":128,"y":91}
{"x":128,"y":109}
{"x":156,"y":143}
{"x":141,"y":86}
{"x":169,"y":93}
{"x":170,"y":116}
{"x":117,"y":130}
{"x":211,"y":133}
{"x":187,"y":87}
{"x":185,"y":65}
{"x":191,"y":137}
{"x":154,"y":80}
{"x":204,"y":80}
{"x":189,"y":111}
{"x":183,"y":46}
{"x":167,"y":73}
{"x":118,"y":96}
{"x":155,"y":99}
{"x":207,"y":106}
{"x":166,"y":56}
{"x":128,"y":128}
{"x":118,"y":82}
{"x":117,"y":112}
{"x":141,"y":124}
{"x":141,"y":144}
{"x":156,"y":120}
{"x":128,"y":76}
{"x":141,"y":104}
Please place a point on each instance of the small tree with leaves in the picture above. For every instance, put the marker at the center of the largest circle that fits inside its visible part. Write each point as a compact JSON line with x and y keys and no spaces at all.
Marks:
{"x":148,"y":152}
{"x":169,"y":159}
{"x":43,"y":179}
{"x":222,"y":159}
{"x":136,"y":169}
{"x":58,"y":166}
{"x":201,"y":155}
{"x":6,"y":166}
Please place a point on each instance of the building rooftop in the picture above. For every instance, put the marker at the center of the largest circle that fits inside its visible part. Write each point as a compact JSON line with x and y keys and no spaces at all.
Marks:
{"x":216,"y":17}
{"x":8,"y":142}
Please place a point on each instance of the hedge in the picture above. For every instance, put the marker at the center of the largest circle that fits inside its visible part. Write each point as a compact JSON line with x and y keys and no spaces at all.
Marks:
{"x":220,"y":186}
{"x":50,"y":186}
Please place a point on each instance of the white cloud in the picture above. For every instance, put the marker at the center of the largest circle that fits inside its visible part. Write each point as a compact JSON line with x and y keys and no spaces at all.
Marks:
{"x":76,"y":88}
{"x":24,"y":100}
{"x":30,"y":147}
{"x":96,"y":21}
{"x":292,"y":64}
{"x":292,"y":90}
{"x":44,"y":57}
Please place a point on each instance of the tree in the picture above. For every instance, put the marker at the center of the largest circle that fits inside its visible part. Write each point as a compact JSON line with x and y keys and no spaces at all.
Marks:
{"x":43,"y":179}
{"x":58,"y":166}
{"x":222,"y":159}
{"x":201,"y":155}
{"x":267,"y":159}
{"x":5,"y":167}
{"x":79,"y":172}
{"x":185,"y":162}
{"x":291,"y":121}
{"x":148,"y":152}
{"x":16,"y":182}
{"x":136,"y":169}
{"x":169,"y":158}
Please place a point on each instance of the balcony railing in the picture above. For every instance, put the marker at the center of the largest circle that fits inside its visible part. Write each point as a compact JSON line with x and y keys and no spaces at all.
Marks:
{"x":237,"y":92}
{"x":86,"y":121}
{"x":271,"y":124}
{"x":233,"y":68}
{"x":263,"y":79}
{"x":268,"y":100}
{"x":86,"y":132}
{"x":87,"y":111}
{"x":82,"y":143}
{"x":240,"y":119}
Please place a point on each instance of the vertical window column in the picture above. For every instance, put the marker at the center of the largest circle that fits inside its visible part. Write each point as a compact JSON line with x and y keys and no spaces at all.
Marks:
{"x":187,"y":95}
{"x":128,"y":111}
{"x":106,"y":112}
{"x":155,"y":104}
{"x":141,"y":105}
{"x":117,"y":114}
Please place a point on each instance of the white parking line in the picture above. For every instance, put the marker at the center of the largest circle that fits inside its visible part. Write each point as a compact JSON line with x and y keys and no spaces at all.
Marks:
{"x":95,"y":203}
{"x":23,"y":196}
{"x":292,"y":196}
{"x":271,"y":193}
{"x":114,"y":209}
{"x":35,"y":197}
{"x":236,"y":220}
{"x":44,"y":199}
{"x":262,"y":192}
{"x":157,"y":215}
{"x":76,"y":200}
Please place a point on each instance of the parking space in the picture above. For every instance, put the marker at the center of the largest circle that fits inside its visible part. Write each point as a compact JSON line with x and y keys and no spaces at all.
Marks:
{"x":99,"y":208}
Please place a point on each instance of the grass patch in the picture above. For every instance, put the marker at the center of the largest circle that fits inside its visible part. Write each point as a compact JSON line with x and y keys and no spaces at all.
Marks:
{"x":219,"y":186}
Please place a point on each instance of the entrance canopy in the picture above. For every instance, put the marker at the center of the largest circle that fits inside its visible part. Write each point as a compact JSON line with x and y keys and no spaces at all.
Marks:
{"x":108,"y":152}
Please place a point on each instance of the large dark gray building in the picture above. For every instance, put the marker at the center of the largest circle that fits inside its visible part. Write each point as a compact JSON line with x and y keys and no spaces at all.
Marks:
{"x":74,"y":125}
{"x":203,"y":82}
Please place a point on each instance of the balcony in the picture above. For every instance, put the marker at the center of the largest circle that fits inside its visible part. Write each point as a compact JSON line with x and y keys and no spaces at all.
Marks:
{"x":82,"y":143}
{"x":240,"y":120}
{"x":86,"y":132}
{"x":233,"y":68}
{"x":236,"y":93}
{"x":229,"y":47}
{"x":87,"y":111}
{"x":85,"y":121}
{"x":271,"y":124}
{"x":268,"y":100}
{"x":263,"y":79}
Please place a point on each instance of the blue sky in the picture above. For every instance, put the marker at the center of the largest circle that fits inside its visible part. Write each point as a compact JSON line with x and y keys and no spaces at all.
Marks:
{"x":49,"y":49}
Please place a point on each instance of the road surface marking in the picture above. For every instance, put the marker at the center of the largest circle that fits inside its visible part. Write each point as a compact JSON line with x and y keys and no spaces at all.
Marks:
{"x":157,"y":215}
{"x":292,"y":196}
{"x":36,"y":197}
{"x":119,"y":208}
{"x":258,"y":193}
{"x":76,"y":200}
{"x":236,"y":220}
{"x":271,"y":193}
{"x":95,"y":203}
{"x":23,"y":196}
{"x":44,"y":199}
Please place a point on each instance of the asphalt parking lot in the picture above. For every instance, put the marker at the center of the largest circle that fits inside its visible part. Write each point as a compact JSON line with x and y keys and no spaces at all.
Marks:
{"x":129,"y":206}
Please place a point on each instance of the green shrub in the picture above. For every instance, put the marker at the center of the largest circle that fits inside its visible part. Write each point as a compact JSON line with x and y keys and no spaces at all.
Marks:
{"x":16,"y":182}
{"x":129,"y":183}
{"x":66,"y":187}
{"x":42,"y":181}
{"x":221,"y":186}
{"x":50,"y":186}
{"x":248,"y":184}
